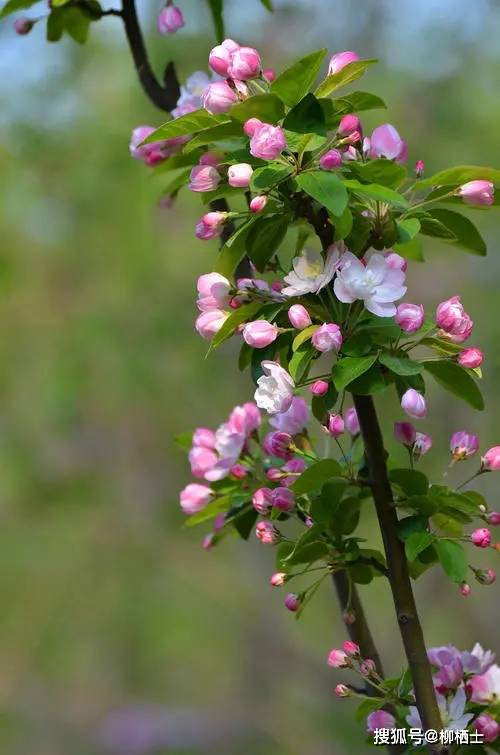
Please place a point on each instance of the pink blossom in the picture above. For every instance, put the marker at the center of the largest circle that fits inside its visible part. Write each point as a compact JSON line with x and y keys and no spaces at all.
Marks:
{"x":269,"y":74}
{"x":267,"y":142}
{"x":295,"y":467}
{"x":292,"y":602}
{"x":278,"y":579}
{"x":377,"y":285}
{"x":267,"y":533}
{"x":299,"y":317}
{"x":493,"y":518}
{"x":413,"y":403}
{"x":319,"y":388}
{"x":277,"y":443}
{"x":245,"y":64}
{"x":251,"y":126}
{"x":486,"y":576}
{"x":396,"y":261}
{"x":331,"y":160}
{"x":463,"y":444}
{"x":481,"y":537}
{"x":485,"y":688}
{"x":209,"y":323}
{"x":218,"y":97}
{"x":487,"y":727}
{"x":311,"y":273}
{"x":380,"y":719}
{"x":351,"y":649}
{"x":338,"y":658}
{"x":195,"y":497}
{"x":23,"y":25}
{"x":262,"y":500}
{"x":170,"y":20}
{"x":470,"y":358}
{"x":293,"y":419}
{"x":351,"y":421}
{"x":477,"y":192}
{"x":328,"y":337}
{"x":239,"y":471}
{"x":202,"y":459}
{"x":349,"y":124}
{"x":274,"y":389}
{"x":260,"y":333}
{"x":419,"y":168}
{"x":340,"y":60}
{"x":410,"y":317}
{"x":342,"y":690}
{"x":213,"y":291}
{"x":220,"y":56}
{"x":423,"y":444}
{"x":335,"y":426}
{"x":491,"y":459}
{"x":239,"y":175}
{"x":465,"y":589}
{"x":204,"y":178}
{"x":283,"y":499}
{"x":367,"y":667}
{"x":258,"y":203}
{"x":210,"y":225}
{"x":386,"y":142}
{"x":405,"y":433}
{"x":203,"y":436}
{"x":452,"y":318}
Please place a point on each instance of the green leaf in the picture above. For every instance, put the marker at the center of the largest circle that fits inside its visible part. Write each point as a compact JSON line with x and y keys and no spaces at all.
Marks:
{"x":430,"y":226}
{"x":456,"y":380}
{"x":244,"y":524}
{"x":410,"y":250}
{"x":216,"y":8}
{"x":343,"y":224}
{"x":233,"y":250}
{"x":368,"y":706}
{"x":77,"y":24}
{"x":463,"y":229}
{"x":326,"y":188}
{"x":358,"y":102}
{"x":346,"y":516}
{"x":265,"y":178}
{"x":377,"y":192}
{"x":209,"y":512}
{"x":459,"y":175}
{"x":267,"y":5}
{"x":453,"y":559}
{"x":268,"y":107}
{"x":190,"y":123}
{"x":347,"y":75}
{"x":306,"y":117}
{"x":14,"y":5}
{"x":303,"y":336}
{"x":265,"y":237}
{"x":55,"y":25}
{"x":442,"y":347}
{"x":370,"y":382}
{"x":410,"y":481}
{"x":300,"y":361}
{"x":213,"y":134}
{"x":242,"y":314}
{"x":316,"y":475}
{"x":407,"y":229}
{"x":383,"y":172}
{"x":400,"y":365}
{"x":347,"y":369}
{"x":296,"y":81}
{"x":410,"y":524}
{"x":184,"y":441}
{"x":416,"y":543}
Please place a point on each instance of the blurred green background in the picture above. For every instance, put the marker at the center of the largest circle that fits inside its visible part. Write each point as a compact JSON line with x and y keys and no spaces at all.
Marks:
{"x":119,"y":635}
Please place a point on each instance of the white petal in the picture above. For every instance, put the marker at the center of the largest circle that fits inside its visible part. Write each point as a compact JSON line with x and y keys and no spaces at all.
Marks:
{"x":342,"y":292}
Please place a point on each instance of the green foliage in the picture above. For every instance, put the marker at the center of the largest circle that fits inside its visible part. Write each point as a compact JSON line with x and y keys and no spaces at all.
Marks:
{"x":382,"y":172}
{"x":306,"y":117}
{"x":459,"y":175}
{"x":464,"y":231}
{"x":411,"y":481}
{"x":347,"y":75}
{"x":190,"y":123}
{"x":294,"y":83}
{"x":316,"y":475}
{"x":325,"y":188}
{"x":268,"y":107}
{"x":216,"y":9}
{"x":416,"y":543}
{"x":453,"y":559}
{"x":271,"y":175}
{"x":349,"y":369}
{"x":400,"y":365}
{"x":265,"y":237}
{"x":377,"y":192}
{"x":15,"y":5}
{"x":456,"y":380}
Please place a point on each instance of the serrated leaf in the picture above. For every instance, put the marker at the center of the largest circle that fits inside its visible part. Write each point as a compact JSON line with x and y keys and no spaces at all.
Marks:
{"x":452,"y":558}
{"x":348,"y":369}
{"x":347,"y":75}
{"x":295,"y":82}
{"x":465,"y":232}
{"x":190,"y":123}
{"x":400,"y":365}
{"x":456,"y":380}
{"x":268,"y":107}
{"x":377,"y":192}
{"x":326,"y":188}
{"x":316,"y":475}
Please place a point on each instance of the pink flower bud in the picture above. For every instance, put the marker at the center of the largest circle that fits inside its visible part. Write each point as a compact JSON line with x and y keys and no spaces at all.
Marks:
{"x":335,"y":425}
{"x":231,"y":45}
{"x":410,"y":317}
{"x":419,"y":168}
{"x":338,"y":658}
{"x":299,"y":317}
{"x":218,"y":97}
{"x":278,"y":579}
{"x":481,"y":537}
{"x":386,"y":142}
{"x":405,"y":433}
{"x":202,"y":460}
{"x":331,"y":160}
{"x":210,"y":225}
{"x":262,"y":500}
{"x":211,"y":158}
{"x":292,"y":602}
{"x":341,"y":690}
{"x":239,"y":175}
{"x":491,"y":460}
{"x":269,"y":74}
{"x":219,"y":59}
{"x":349,"y":618}
{"x":278,"y":444}
{"x":204,"y":178}
{"x":351,"y":421}
{"x":283,"y":499}
{"x":470,"y":358}
{"x":477,"y":192}
{"x":267,"y":142}
{"x":463,"y":444}
{"x":394,"y":261}
{"x":328,"y":337}
{"x":319,"y":388}
{"x":452,"y":318}
{"x":194,"y":498}
{"x":380,"y":719}
{"x":493,"y":518}
{"x":208,"y":541}
{"x":23,"y":26}
{"x":251,"y":126}
{"x":245,"y":64}
{"x":239,"y":471}
{"x":486,"y":576}
{"x":209,"y":323}
{"x":349,"y":124}
{"x":170,"y":20}
{"x":351,"y":649}
{"x":367,"y":667}
{"x":267,"y":533}
{"x":423,"y":443}
{"x":340,"y":60}
{"x":487,"y":727}
{"x":219,"y":522}
{"x":258,"y":203}
{"x":202,"y":436}
{"x":259,"y":333}
{"x":465,"y":589}
{"x":413,"y":403}
{"x":274,"y":474}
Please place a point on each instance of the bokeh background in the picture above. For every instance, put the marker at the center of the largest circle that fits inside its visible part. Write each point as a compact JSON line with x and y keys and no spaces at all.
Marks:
{"x":119,"y":635}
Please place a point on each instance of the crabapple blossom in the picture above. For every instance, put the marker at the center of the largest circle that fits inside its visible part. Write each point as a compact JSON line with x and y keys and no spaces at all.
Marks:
{"x":295,"y":467}
{"x":251,"y":125}
{"x":202,"y":459}
{"x":422,"y":444}
{"x":452,"y":710}
{"x":493,"y":518}
{"x":413,"y":403}
{"x":299,"y":317}
{"x":283,"y":499}
{"x":311,"y":273}
{"x":209,"y":323}
{"x":278,"y":444}
{"x":409,"y":317}
{"x":260,"y":333}
{"x":452,"y":318}
{"x":481,"y":537}
{"x":294,"y":419}
{"x":170,"y":19}
{"x":191,"y":92}
{"x":470,"y":358}
{"x":267,"y":533}
{"x":486,"y":576}
{"x":23,"y":26}
{"x":377,"y":285}
{"x":477,"y":192}
{"x":262,"y":500}
{"x":245,"y":64}
{"x":485,"y":688}
{"x":327,"y":337}
{"x":487,"y":727}
{"x":338,"y":658}
{"x":335,"y":426}
{"x":367,"y":667}
{"x":258,"y":203}
{"x":396,"y":261}
{"x":349,"y":124}
{"x":463,"y":444}
{"x":465,"y":589}
{"x":210,"y":225}
{"x":405,"y":433}
{"x":267,"y":141}
{"x":239,"y":175}
{"x":351,"y":649}
{"x":204,"y":178}
{"x":292,"y":602}
{"x":195,"y":497}
{"x":380,"y":719}
{"x":203,"y":436}
{"x":278,"y":579}
{"x":331,"y":160}
{"x":213,"y":292}
{"x":340,"y":60}
{"x":269,"y":74}
{"x":218,"y":97}
{"x":491,"y":459}
{"x":319,"y":388}
{"x":342,"y":690}
{"x":351,"y":421}
{"x":419,"y":168}
{"x":386,"y":142}
{"x":274,"y":389}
